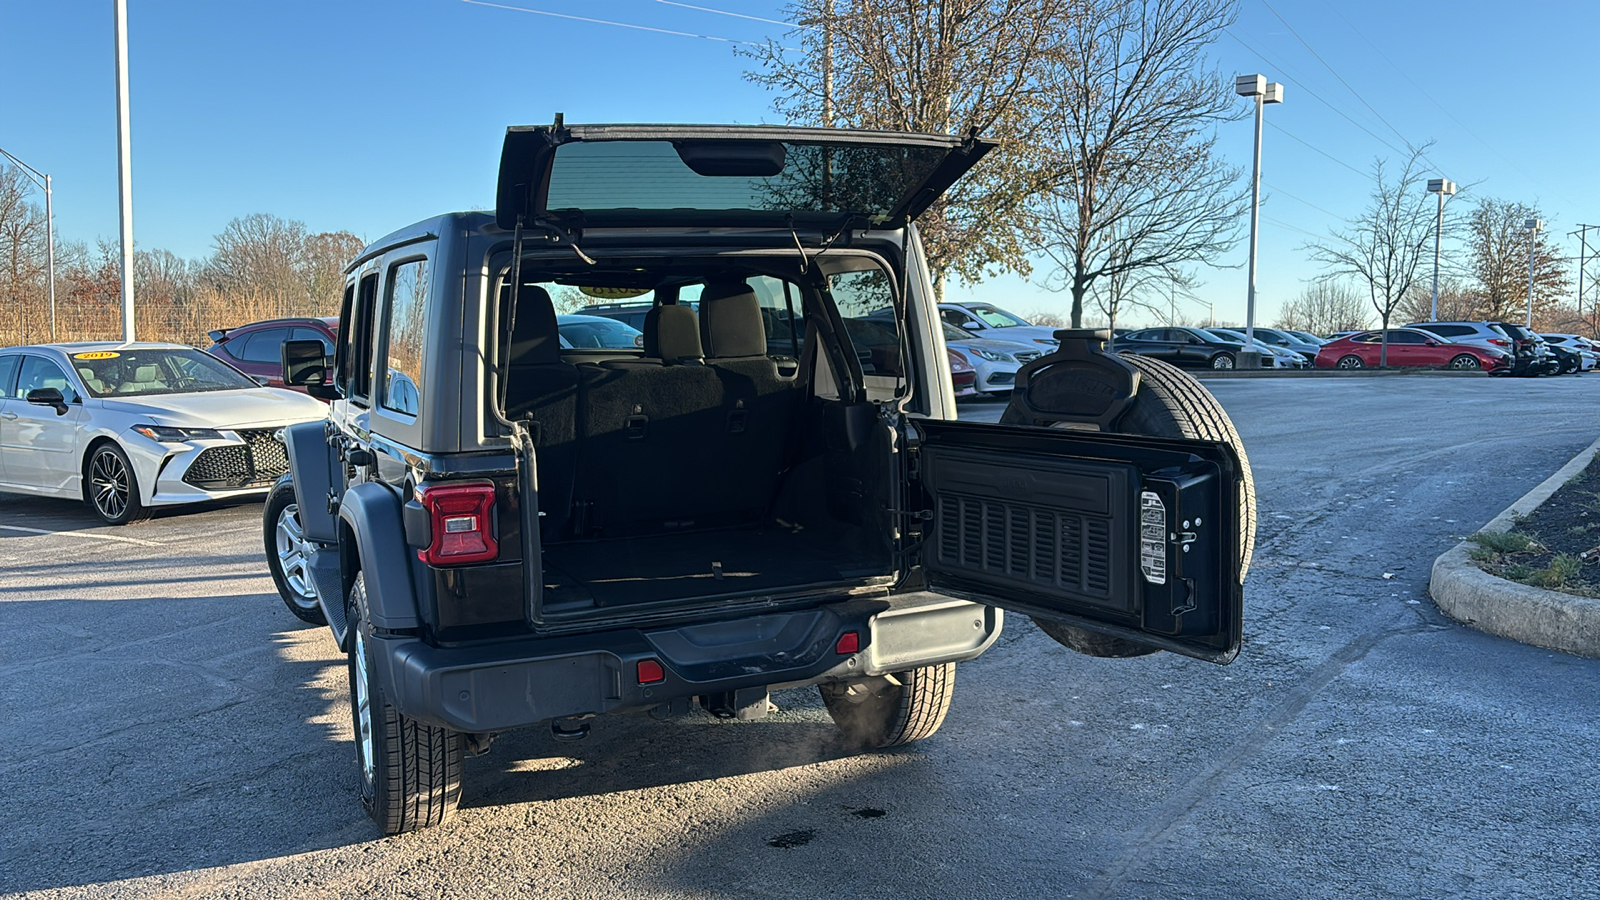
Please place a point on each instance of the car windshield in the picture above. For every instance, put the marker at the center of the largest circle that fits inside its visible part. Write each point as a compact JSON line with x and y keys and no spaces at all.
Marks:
{"x":952,"y":333}
{"x":997,"y":318}
{"x":122,"y":373}
{"x":599,"y":334}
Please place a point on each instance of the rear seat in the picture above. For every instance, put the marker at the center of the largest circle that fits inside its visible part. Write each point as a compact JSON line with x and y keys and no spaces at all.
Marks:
{"x":541,"y":387}
{"x":758,"y":403}
{"x":644,"y":426}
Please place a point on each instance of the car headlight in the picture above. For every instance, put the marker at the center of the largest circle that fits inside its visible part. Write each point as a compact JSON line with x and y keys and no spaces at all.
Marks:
{"x":169,"y":435}
{"x":993,"y":355}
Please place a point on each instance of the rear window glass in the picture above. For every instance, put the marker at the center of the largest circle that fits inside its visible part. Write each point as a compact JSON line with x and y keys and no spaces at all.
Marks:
{"x":650,"y":175}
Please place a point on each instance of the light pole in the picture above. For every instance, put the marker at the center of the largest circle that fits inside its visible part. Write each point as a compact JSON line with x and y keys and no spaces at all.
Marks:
{"x":43,"y":181}
{"x":124,"y":167}
{"x":1533,"y":226}
{"x":1255,"y":86}
{"x":1442,"y":187}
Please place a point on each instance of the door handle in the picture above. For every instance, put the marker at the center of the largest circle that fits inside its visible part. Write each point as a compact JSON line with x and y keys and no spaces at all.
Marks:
{"x":8,"y":414}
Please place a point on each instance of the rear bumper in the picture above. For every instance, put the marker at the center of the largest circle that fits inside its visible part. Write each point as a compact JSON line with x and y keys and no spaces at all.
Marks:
{"x":483,"y":688}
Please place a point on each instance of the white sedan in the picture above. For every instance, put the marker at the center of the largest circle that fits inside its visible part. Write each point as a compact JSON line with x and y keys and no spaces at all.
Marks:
{"x":128,"y":427}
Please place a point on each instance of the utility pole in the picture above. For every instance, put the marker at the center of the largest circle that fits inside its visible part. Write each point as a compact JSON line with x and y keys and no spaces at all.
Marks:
{"x":1583,"y":244}
{"x":1533,"y":226}
{"x":124,"y":167}
{"x":1440,"y":186}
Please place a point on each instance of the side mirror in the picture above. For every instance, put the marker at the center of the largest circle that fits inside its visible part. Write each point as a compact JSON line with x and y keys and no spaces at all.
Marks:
{"x":262,"y":380}
{"x":305,"y":364}
{"x":1431,"y":342}
{"x":48,"y":397}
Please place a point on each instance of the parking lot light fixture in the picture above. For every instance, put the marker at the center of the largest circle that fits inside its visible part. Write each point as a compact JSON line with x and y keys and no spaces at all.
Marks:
{"x":1534,"y":226}
{"x":1442,"y":187}
{"x":1264,"y":92}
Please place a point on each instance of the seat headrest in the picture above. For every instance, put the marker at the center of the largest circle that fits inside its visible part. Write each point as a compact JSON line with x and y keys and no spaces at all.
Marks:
{"x":672,"y":333}
{"x":534,"y":338}
{"x":730,"y":321}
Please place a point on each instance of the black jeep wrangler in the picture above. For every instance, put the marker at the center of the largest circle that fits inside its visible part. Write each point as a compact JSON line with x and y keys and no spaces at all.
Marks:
{"x":502,"y":533}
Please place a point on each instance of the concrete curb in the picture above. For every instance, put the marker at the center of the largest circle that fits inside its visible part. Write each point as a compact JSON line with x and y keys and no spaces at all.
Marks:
{"x":1520,"y":612}
{"x":1204,"y":374}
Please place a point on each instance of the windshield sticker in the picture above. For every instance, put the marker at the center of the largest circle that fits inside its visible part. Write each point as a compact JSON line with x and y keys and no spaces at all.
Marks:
{"x":1152,"y":538}
{"x":97,"y":354}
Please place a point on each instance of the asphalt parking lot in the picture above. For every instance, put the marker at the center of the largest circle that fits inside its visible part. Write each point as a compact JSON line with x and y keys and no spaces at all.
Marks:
{"x":173,"y":731}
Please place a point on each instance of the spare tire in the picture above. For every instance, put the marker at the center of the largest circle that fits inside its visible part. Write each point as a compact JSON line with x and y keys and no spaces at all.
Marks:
{"x":1169,"y":403}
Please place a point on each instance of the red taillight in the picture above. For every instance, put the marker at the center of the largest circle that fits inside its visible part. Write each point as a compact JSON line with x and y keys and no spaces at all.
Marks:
{"x":461,"y":520}
{"x":651,"y":672}
{"x":849,"y":642}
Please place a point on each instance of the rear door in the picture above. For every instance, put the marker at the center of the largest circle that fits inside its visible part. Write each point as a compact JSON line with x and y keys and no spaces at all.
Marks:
{"x":1129,"y":536}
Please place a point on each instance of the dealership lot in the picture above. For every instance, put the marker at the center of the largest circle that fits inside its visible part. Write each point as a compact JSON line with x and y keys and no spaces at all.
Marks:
{"x":174,"y":731}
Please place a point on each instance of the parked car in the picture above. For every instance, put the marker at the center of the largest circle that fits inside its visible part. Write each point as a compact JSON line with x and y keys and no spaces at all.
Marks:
{"x":1569,"y":360}
{"x":1182,"y":346}
{"x":1284,"y":339}
{"x":996,"y":361}
{"x":580,"y":332}
{"x":1308,"y":337}
{"x":1410,"y":347}
{"x":963,"y":374}
{"x":1528,"y":356}
{"x":630,"y":314}
{"x":256,"y":348}
{"x":1271,"y":357}
{"x":128,"y":427}
{"x":987,"y":321}
{"x":549,"y":539}
{"x":1584,"y":347}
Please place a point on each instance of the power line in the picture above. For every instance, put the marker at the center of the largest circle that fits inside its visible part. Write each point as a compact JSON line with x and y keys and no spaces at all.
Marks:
{"x":1317,"y":149}
{"x":1298,"y":199}
{"x":1336,"y":74}
{"x":1314,"y":95}
{"x":723,"y":12}
{"x":1293,"y":228}
{"x":541,"y":12}
{"x":1420,"y":89}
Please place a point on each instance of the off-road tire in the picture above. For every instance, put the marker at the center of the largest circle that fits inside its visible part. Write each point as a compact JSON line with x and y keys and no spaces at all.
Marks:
{"x":1170,"y":403}
{"x":279,"y":500}
{"x":111,"y":487}
{"x":414,"y":777}
{"x":883,"y":714}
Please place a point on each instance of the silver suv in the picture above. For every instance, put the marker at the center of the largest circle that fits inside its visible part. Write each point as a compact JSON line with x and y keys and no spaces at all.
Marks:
{"x":500,"y":532}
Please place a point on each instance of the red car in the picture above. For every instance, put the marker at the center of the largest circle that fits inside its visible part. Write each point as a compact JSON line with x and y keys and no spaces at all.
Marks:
{"x":962,"y":374}
{"x":1409,"y":347}
{"x":257,"y":348}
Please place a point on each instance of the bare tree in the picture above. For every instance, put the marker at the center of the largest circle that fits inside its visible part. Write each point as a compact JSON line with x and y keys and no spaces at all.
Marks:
{"x":1457,"y":302}
{"x":1384,"y":246}
{"x":22,"y":251}
{"x":1136,"y":179}
{"x":1499,"y":243}
{"x":1323,"y":307}
{"x":324,"y":258}
{"x":942,"y":66}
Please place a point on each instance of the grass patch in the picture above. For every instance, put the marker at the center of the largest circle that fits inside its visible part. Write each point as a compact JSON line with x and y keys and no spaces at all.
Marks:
{"x":1503,"y":542}
{"x":1560,"y":574}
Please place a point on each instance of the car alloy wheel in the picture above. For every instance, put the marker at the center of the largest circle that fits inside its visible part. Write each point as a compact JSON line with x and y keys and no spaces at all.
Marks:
{"x":293,"y":557}
{"x":361,"y":678}
{"x":1351,"y":362}
{"x":1222,"y":361}
{"x":1465,"y":362}
{"x":109,"y":483}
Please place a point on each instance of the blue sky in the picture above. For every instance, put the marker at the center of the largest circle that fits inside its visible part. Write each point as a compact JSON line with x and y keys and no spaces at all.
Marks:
{"x":368,"y":115}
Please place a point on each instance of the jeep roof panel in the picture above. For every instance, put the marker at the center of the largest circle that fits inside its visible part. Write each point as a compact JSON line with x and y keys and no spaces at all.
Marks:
{"x":729,"y":175}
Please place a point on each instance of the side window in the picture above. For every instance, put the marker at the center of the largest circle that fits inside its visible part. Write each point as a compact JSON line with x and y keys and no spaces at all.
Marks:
{"x":8,"y":371}
{"x":265,"y":346}
{"x":781,"y":315}
{"x":960,"y":319}
{"x":42,"y":373}
{"x":312,"y":334}
{"x":356,"y":359}
{"x":405,"y":310}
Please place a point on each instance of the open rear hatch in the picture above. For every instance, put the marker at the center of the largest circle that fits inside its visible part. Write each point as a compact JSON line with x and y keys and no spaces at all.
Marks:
{"x":570,"y":176}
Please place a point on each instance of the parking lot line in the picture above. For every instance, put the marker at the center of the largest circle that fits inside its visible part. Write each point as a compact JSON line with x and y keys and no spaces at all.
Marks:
{"x":79,"y":534}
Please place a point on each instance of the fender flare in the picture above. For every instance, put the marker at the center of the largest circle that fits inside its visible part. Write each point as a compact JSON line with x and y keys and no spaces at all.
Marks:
{"x":369,"y":516}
